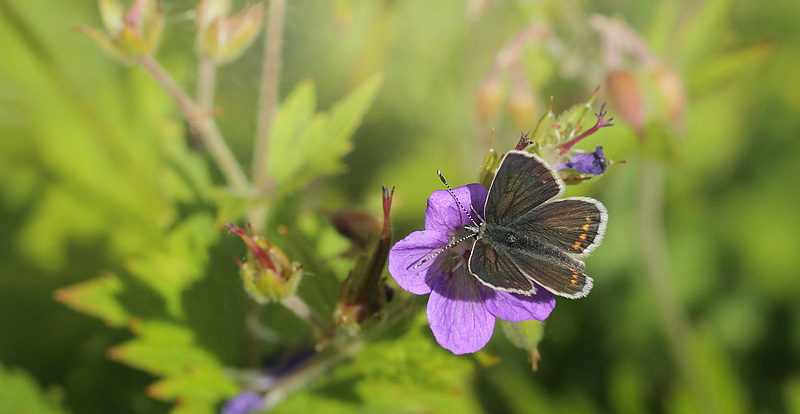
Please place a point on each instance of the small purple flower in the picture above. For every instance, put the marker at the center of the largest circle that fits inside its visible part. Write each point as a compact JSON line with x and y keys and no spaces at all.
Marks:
{"x":245,"y":402}
{"x":461,"y":311}
{"x":587,"y":163}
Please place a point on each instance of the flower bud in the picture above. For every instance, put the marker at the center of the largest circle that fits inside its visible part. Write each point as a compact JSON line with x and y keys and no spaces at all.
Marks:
{"x":270,"y":277}
{"x":128,"y":36}
{"x":221,"y":38}
{"x":669,"y":87}
{"x":625,"y":95}
{"x":522,"y":107}
{"x":490,"y":96}
{"x":363,"y":295}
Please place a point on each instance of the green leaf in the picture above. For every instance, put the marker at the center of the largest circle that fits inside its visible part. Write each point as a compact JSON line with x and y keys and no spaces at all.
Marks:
{"x":180,"y":261}
{"x":305,"y":147}
{"x":191,"y":375}
{"x":20,"y":394}
{"x":97,"y":297}
{"x":525,"y":335}
{"x":410,"y":373}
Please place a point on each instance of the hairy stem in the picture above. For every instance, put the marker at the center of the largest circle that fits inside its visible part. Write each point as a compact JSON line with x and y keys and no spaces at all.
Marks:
{"x":205,"y":124}
{"x":268,"y":100}
{"x":302,"y":310}
{"x":206,"y":83}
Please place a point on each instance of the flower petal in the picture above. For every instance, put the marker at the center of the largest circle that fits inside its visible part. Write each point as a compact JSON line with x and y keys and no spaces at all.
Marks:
{"x":456,"y":314}
{"x":443,"y":213}
{"x":408,"y":252}
{"x":589,"y":163}
{"x":514,"y":307}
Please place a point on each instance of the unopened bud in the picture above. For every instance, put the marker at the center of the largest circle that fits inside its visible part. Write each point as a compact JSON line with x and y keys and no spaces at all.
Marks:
{"x":522,"y":108}
{"x":669,"y":87}
{"x":221,"y":38}
{"x":130,"y":35}
{"x":625,"y":95}
{"x":490,"y":97}
{"x":271,"y":276}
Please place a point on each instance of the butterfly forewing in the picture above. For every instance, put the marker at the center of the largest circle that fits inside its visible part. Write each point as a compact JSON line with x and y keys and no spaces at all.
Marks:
{"x":522,"y":182}
{"x":496,"y":269}
{"x":575,"y":225}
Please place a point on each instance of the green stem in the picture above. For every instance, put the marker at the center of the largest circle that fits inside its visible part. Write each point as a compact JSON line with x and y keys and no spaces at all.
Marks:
{"x":295,"y":304}
{"x":345,"y":345}
{"x":206,"y":84}
{"x":654,"y":244}
{"x":205,"y":124}
{"x":271,"y":68}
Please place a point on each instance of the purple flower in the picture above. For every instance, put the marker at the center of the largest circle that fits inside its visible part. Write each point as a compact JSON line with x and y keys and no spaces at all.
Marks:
{"x":245,"y":402}
{"x":588,"y":163}
{"x":461,"y":311}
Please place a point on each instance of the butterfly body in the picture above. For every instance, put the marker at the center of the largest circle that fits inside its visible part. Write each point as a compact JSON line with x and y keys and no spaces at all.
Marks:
{"x":528,"y":237}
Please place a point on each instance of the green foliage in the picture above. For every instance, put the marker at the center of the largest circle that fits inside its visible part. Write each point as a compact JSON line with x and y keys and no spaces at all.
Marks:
{"x":191,"y":376}
{"x":384,"y":374}
{"x":306,"y":145}
{"x":20,"y":394}
{"x":108,"y":209}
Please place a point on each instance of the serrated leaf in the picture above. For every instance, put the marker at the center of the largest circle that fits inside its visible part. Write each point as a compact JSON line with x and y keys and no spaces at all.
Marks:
{"x":205,"y":385}
{"x":188,"y":179}
{"x":20,"y":394}
{"x":96,"y":297}
{"x":407,"y":374}
{"x":191,"y":375}
{"x":305,"y":148}
{"x":291,"y":121}
{"x":180,"y":261}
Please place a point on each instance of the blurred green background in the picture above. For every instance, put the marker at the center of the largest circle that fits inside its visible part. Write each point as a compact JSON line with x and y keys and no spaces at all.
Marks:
{"x":707,"y":320}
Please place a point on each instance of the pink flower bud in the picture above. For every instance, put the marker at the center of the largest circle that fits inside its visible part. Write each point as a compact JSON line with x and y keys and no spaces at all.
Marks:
{"x":625,"y":95}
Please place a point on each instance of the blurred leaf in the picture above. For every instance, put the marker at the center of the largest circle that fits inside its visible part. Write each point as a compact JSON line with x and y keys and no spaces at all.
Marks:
{"x":385,"y":374}
{"x":97,"y":297}
{"x":791,"y":394}
{"x":19,"y":394}
{"x":525,"y":335}
{"x":191,"y":375}
{"x":172,"y":267}
{"x":305,"y":146}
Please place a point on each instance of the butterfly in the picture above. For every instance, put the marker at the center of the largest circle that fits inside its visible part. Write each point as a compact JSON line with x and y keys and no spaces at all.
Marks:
{"x":528,"y":236}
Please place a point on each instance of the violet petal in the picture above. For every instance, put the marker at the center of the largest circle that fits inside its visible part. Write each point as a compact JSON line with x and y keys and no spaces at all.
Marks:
{"x":514,"y":307}
{"x":456,"y":314}
{"x":588,"y":163}
{"x":410,"y":251}
{"x":244,"y":403}
{"x":443,"y":213}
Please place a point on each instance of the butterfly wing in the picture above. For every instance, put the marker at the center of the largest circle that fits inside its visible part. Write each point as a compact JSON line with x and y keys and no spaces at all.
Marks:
{"x":496,"y":269}
{"x":513,"y":269}
{"x":574,"y":225}
{"x":554,"y":271}
{"x":523,"y":182}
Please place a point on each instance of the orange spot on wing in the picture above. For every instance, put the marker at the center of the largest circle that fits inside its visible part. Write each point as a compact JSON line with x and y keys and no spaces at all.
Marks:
{"x":586,"y":227}
{"x":582,"y":236}
{"x":577,"y":245}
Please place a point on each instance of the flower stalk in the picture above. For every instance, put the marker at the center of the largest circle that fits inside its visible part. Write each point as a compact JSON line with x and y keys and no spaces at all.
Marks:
{"x":208,"y":129}
{"x":268,"y":99}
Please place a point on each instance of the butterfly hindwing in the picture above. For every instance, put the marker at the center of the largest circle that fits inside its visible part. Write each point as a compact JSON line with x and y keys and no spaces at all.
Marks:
{"x":553,"y":270}
{"x":496,"y":269}
{"x":523,"y":181}
{"x":575,"y":225}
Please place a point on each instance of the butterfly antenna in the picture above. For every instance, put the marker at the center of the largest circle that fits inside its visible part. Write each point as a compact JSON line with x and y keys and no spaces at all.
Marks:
{"x":443,"y":249}
{"x":441,"y":177}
